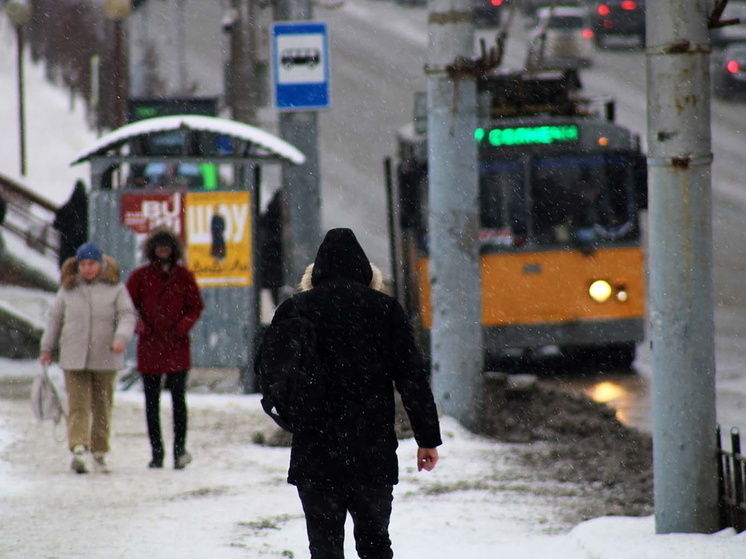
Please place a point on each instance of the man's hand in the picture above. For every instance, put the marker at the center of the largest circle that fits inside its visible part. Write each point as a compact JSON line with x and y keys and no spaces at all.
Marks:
{"x":426,"y":458}
{"x":45,"y":358}
{"x":118,"y":346}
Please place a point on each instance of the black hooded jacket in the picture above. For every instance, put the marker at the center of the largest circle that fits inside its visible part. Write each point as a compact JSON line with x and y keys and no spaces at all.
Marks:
{"x":366,"y":344}
{"x":71,"y":220}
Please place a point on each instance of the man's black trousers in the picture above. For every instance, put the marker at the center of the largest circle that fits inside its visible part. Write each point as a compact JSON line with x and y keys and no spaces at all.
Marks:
{"x":326,"y":511}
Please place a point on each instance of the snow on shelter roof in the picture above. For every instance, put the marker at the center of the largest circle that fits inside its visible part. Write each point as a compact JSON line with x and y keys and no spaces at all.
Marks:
{"x":268,"y":145}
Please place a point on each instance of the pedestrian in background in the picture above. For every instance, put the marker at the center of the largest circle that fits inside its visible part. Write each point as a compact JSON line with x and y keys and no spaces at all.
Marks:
{"x":169,"y":303}
{"x":91,"y":322}
{"x":71,"y":220}
{"x":270,"y":243}
{"x":367,"y":347}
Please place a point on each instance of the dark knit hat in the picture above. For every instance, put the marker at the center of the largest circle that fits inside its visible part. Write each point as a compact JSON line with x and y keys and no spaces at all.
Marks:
{"x":340,"y":255}
{"x":89,"y":251}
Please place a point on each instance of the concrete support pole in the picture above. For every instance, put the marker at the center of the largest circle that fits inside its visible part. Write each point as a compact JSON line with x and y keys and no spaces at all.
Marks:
{"x":301,"y":183}
{"x":681,"y":299}
{"x":456,"y":335}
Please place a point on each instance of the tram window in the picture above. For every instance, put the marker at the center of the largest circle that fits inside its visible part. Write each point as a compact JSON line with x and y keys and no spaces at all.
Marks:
{"x":501,"y":202}
{"x":550,"y":203}
{"x":490,"y":202}
{"x":574,"y":192}
{"x":410,"y":183}
{"x":424,"y":210}
{"x":566,"y":193}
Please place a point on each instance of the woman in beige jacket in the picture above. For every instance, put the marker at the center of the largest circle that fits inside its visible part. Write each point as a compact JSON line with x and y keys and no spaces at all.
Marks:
{"x":91,"y":322}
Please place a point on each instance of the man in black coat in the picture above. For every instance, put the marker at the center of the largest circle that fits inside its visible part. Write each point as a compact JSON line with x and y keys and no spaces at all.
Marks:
{"x":366,"y":345}
{"x":71,"y":220}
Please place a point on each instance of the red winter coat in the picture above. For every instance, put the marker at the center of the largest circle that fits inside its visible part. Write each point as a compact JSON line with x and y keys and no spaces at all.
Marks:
{"x":169,"y":304}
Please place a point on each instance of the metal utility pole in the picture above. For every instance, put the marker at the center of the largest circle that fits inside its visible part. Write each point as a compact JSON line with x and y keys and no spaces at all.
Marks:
{"x":19,"y":12}
{"x":21,"y":103}
{"x":138,"y":62}
{"x":181,"y":45}
{"x":117,"y":11}
{"x":120,"y":74}
{"x":243,"y":93}
{"x":301,"y":183}
{"x":681,"y":293}
{"x":456,"y":334}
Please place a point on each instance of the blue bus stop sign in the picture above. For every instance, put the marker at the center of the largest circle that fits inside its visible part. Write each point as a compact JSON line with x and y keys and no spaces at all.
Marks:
{"x":300,"y":66}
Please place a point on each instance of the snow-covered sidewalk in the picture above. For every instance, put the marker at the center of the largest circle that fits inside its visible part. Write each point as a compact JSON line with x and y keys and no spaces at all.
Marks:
{"x":233,"y":501}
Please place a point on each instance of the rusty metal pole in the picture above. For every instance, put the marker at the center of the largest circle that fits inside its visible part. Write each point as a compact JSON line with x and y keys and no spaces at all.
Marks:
{"x":456,"y":333}
{"x":681,"y":292}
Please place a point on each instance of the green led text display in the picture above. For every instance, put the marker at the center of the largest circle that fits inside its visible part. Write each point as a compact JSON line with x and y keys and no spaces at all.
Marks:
{"x":527,"y":135}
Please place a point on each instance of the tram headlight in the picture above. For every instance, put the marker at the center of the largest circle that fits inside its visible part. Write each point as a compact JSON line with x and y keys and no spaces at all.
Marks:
{"x":600,"y":291}
{"x":622,"y":295}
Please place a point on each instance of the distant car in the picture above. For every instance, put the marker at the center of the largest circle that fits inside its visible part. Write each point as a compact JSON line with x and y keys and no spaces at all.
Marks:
{"x":488,"y":13}
{"x":721,"y":37}
{"x":561,"y":38}
{"x":530,"y":7}
{"x":729,"y":72}
{"x":617,"y":18}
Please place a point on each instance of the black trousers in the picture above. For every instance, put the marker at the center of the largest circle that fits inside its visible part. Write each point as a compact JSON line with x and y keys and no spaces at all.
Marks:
{"x":176,"y":383}
{"x":326,"y":511}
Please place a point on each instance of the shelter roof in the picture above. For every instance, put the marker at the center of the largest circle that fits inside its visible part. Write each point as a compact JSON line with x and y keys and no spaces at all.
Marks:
{"x":258,"y":143}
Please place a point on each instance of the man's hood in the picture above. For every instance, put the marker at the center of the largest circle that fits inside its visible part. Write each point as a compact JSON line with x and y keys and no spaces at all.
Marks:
{"x":341,"y":256}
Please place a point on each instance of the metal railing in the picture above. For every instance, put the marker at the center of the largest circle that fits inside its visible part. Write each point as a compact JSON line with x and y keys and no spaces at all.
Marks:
{"x":731,"y":490}
{"x":29,"y":217}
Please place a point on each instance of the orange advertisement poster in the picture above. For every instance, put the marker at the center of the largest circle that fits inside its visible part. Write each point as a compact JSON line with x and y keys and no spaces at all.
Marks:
{"x":218,"y":238}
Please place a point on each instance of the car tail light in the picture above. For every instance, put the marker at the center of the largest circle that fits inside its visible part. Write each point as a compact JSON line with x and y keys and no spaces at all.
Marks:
{"x":496,"y":3}
{"x":603,"y":10}
{"x":629,"y":5}
{"x":587,"y":33}
{"x":733,"y":66}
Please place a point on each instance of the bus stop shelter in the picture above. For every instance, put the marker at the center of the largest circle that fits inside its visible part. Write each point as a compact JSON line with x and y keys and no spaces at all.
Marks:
{"x":201,"y":177}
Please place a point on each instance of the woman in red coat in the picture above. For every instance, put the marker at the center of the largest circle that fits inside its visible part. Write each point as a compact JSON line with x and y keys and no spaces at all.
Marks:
{"x":169,"y":303}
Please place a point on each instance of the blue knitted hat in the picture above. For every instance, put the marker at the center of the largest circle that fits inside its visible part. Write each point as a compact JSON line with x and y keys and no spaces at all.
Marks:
{"x":90,"y":251}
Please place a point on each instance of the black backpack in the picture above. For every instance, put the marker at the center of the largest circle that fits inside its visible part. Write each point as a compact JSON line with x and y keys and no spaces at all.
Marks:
{"x":291,"y":375}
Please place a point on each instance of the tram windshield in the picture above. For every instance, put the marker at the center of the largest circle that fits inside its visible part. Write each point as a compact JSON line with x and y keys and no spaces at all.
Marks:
{"x":564,"y":199}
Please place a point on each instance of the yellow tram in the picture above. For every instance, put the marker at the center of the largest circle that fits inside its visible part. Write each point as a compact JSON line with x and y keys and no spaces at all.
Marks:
{"x":561,"y":189}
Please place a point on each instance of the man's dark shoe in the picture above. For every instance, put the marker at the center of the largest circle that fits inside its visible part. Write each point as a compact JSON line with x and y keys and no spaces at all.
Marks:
{"x":156,"y":463}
